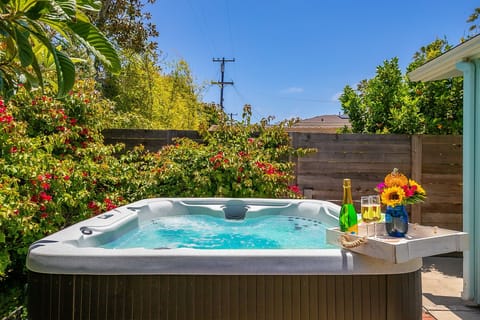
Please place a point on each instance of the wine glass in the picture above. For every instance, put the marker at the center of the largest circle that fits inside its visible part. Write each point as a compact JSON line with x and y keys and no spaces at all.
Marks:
{"x":375,"y":213}
{"x":365,"y":209}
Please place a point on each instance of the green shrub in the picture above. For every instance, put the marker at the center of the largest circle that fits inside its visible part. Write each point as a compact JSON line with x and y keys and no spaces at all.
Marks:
{"x":55,"y":169}
{"x":238,"y":159}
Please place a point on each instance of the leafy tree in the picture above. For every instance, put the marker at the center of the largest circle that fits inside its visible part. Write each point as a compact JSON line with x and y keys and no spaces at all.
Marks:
{"x":381,"y":104}
{"x":440,"y":102}
{"x":177,"y":104}
{"x":472,"y":20}
{"x":147,"y":97}
{"x":390,"y":103}
{"x":125,"y":22}
{"x":32,"y":29}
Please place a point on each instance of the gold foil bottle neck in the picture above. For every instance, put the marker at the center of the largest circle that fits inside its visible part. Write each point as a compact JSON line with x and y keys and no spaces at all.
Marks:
{"x":347,"y":183}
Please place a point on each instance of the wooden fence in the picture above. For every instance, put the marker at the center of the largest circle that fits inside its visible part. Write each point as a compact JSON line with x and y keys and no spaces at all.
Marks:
{"x":433,"y":161}
{"x":152,"y":140}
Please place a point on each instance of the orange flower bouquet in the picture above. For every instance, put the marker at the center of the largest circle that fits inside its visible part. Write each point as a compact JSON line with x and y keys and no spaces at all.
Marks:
{"x":397,"y":189}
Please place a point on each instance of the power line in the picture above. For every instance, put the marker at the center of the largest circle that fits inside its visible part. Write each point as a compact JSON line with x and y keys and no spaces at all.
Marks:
{"x":201,"y":20}
{"x":222,"y":83}
{"x":229,"y":24}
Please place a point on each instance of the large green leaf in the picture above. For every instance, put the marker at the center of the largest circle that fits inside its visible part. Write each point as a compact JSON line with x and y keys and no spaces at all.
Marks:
{"x":40,"y":8}
{"x":89,"y":5}
{"x":62,"y":10}
{"x":98,"y":44}
{"x":25,"y":52}
{"x":64,"y":66}
{"x":68,"y":72}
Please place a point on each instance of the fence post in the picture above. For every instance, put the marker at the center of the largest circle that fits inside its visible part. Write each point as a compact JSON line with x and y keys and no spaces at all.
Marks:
{"x":416,"y":166}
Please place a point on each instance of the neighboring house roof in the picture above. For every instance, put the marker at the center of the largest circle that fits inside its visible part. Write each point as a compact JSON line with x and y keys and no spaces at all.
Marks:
{"x":326,"y":124}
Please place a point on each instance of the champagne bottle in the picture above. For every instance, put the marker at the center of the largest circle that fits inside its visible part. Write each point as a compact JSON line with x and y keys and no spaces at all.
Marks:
{"x":348,"y":215}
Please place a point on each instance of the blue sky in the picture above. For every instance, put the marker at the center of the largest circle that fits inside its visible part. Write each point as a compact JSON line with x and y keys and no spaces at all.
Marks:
{"x":293,"y":58}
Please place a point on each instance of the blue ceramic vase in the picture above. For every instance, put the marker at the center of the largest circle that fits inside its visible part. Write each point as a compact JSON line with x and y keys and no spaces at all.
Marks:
{"x":396,"y":221}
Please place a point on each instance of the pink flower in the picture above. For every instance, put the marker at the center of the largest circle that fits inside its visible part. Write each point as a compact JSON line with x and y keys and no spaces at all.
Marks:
{"x":66,"y":177}
{"x":380,"y":187}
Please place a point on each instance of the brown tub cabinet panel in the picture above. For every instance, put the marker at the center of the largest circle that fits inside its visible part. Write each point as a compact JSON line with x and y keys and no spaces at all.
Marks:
{"x":225,"y":297}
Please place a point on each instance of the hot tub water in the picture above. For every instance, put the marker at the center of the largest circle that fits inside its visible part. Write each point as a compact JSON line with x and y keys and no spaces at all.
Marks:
{"x":209,"y":232}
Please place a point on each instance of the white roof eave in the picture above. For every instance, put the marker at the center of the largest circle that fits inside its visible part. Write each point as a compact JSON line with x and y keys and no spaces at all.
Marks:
{"x":445,"y":65}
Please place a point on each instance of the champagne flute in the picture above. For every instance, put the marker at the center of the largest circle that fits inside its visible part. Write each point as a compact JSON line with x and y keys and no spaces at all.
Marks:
{"x":365,"y":209}
{"x":375,"y":212}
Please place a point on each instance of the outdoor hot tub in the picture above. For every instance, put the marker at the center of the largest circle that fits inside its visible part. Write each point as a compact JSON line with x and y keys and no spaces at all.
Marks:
{"x":90,"y":271}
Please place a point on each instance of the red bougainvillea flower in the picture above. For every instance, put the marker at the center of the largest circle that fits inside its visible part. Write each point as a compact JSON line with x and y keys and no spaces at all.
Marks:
{"x":13,"y":149}
{"x":66,"y":177}
{"x":294,"y":189}
{"x":44,"y":196}
{"x":109,"y":204}
{"x":44,"y":215}
{"x":6,"y":119}
{"x":268,"y":168}
{"x":45,"y":186}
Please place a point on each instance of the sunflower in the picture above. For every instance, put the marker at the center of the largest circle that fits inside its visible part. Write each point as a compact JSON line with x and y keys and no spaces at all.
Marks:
{"x":393,"y":196}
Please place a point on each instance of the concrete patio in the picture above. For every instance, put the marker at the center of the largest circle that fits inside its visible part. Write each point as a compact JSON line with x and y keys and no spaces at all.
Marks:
{"x":442,"y":284}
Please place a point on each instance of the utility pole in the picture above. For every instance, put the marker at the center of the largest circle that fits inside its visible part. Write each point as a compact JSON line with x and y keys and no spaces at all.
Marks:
{"x":222,"y":83}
